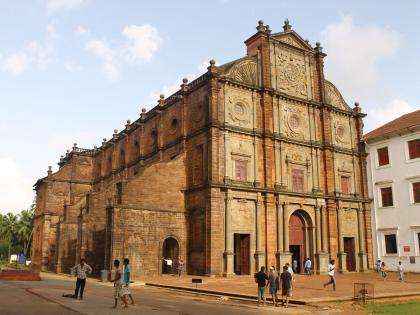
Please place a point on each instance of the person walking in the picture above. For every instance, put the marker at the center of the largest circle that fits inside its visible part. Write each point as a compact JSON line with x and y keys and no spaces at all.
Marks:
{"x":308,"y":266}
{"x":400,"y":269}
{"x":273,"y":282}
{"x":81,"y":271}
{"x":295,"y":265}
{"x":331,"y":270}
{"x":127,"y":280}
{"x":378,"y":266}
{"x":383,"y":271}
{"x":261,"y":279}
{"x":118,"y":293}
{"x":286,"y":284}
{"x":180,"y":268}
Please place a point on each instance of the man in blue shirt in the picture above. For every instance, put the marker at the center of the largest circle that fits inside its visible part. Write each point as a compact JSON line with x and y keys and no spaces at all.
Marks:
{"x":127,"y":273}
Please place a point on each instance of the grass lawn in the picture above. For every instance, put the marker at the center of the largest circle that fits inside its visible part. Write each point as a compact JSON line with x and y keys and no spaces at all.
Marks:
{"x":406,"y":309}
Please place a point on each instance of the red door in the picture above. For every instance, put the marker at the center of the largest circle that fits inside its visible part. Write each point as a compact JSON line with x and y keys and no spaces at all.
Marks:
{"x":244,"y":244}
{"x":350,"y":255}
{"x":297,"y":238}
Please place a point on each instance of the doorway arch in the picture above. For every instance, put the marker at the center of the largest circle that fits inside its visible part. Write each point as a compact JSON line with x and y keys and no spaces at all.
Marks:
{"x":300,"y":238}
{"x":170,"y":251}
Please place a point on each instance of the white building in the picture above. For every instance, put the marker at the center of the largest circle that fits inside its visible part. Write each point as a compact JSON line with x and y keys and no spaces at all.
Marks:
{"x":394,"y":185}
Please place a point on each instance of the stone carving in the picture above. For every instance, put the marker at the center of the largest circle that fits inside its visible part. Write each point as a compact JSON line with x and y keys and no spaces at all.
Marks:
{"x":239,"y":110}
{"x":84,"y":161}
{"x":295,"y":122}
{"x":291,"y":40}
{"x":60,"y":189}
{"x":291,"y":74}
{"x":349,"y":223}
{"x":242,"y":214}
{"x":341,"y":133}
{"x":245,"y":71}
{"x":333,"y":97}
{"x":172,"y":124}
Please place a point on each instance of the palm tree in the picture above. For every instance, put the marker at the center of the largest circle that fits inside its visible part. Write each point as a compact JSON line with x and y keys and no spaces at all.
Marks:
{"x":8,"y":228}
{"x":24,"y":228}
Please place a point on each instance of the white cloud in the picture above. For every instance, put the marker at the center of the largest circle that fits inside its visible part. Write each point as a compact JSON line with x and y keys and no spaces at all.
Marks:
{"x":72,"y":67}
{"x":57,"y":5}
{"x":16,"y":189}
{"x":143,"y":42}
{"x":354,"y":53}
{"x":394,"y":109}
{"x":139,"y":45}
{"x":35,"y":53}
{"x":106,"y":54}
{"x":81,"y":32}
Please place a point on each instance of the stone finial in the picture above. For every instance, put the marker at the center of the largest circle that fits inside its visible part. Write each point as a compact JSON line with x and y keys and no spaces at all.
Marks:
{"x":74,"y":146}
{"x":261,"y":27}
{"x":143,"y":113}
{"x":318,"y":47}
{"x":61,"y":157}
{"x":67,"y":152}
{"x":212,"y":62}
{"x":184,"y":85}
{"x":103,"y":141}
{"x":95,"y":147}
{"x":267,"y":29}
{"x":287,"y":26}
{"x":161,"y":100}
{"x":357,"y":107}
{"x":49,"y":172}
{"x":115,"y":134}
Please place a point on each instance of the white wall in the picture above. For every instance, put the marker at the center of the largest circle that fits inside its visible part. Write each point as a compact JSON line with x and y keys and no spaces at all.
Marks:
{"x":403,"y":218}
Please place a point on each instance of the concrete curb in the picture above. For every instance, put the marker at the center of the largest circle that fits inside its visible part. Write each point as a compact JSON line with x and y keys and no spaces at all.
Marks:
{"x":217,"y":293}
{"x":53,"y":301}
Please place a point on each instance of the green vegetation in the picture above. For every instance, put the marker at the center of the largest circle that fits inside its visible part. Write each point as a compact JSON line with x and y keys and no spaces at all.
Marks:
{"x":16,"y":233}
{"x":395,"y":309}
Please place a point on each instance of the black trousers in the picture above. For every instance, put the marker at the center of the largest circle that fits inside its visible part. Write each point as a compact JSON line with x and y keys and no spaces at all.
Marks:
{"x":80,"y":284}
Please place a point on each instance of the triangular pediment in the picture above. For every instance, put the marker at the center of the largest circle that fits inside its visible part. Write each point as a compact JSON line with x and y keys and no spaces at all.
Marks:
{"x":292,"y":38}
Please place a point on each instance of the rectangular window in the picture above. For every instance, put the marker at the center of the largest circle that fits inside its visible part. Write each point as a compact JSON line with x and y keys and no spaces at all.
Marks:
{"x":391,"y":244}
{"x":345,"y":184}
{"x":416,"y":192}
{"x":414,"y":149}
{"x":119,"y":193}
{"x":386,"y":196}
{"x":297,"y":180}
{"x":241,"y":167}
{"x":383,"y":157}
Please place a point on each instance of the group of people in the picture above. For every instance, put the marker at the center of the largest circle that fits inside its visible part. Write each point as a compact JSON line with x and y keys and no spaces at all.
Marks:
{"x":382,"y":269}
{"x":168,"y":266}
{"x":122,"y":280}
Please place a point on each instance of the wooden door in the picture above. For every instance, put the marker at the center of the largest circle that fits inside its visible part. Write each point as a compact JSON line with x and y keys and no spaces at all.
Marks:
{"x":245,"y":252}
{"x":350,"y":253}
{"x":297,"y":238}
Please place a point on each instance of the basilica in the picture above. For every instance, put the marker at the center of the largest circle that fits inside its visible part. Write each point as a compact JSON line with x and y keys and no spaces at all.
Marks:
{"x":256,"y":162}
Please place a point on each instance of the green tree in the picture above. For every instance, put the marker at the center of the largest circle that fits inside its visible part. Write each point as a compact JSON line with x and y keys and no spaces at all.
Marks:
{"x":8,"y":229}
{"x":24,"y":228}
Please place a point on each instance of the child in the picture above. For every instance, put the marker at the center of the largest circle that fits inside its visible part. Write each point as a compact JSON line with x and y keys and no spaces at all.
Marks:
{"x":331,"y":269}
{"x":383,"y":270}
{"x":118,"y":285}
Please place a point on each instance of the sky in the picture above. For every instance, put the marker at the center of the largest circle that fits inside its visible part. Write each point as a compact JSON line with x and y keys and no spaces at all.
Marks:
{"x":75,"y":70}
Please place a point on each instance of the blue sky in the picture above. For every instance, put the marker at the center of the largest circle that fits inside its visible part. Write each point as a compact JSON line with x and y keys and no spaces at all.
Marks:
{"x":75,"y":70}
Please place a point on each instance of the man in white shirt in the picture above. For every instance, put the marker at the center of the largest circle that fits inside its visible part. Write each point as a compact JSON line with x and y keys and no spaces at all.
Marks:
{"x":308,"y":266}
{"x":400,"y":269}
{"x":331,"y":269}
{"x":118,"y":290}
{"x":81,"y":271}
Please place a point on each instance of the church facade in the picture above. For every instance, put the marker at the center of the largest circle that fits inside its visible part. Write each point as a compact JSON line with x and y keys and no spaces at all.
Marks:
{"x":257,"y":162}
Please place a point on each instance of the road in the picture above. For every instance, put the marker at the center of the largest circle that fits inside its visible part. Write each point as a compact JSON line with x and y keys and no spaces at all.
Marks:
{"x":45,"y":297}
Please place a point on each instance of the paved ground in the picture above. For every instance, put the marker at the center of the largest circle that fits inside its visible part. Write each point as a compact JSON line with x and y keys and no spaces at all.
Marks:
{"x":307,"y":288}
{"x":45,"y":297}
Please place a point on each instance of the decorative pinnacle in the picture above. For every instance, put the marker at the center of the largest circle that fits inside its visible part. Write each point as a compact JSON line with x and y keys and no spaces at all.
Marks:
{"x":287,"y":26}
{"x":161,"y":100}
{"x":103,"y":140}
{"x":267,"y":29}
{"x":318,"y":47}
{"x":128,"y":122}
{"x":357,"y":107}
{"x":185,"y":80}
{"x":95,"y":147}
{"x":74,"y":145}
{"x":49,"y":168}
{"x":261,"y":27}
{"x":115,"y":131}
{"x":212,"y":62}
{"x":143,"y":110}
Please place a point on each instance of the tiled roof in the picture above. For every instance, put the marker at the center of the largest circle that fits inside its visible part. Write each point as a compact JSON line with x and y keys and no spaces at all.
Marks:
{"x":400,"y":125}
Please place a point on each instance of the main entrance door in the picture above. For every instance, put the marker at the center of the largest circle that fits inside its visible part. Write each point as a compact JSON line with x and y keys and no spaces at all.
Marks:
{"x":297,"y":240}
{"x":242,"y":254}
{"x":350,"y":253}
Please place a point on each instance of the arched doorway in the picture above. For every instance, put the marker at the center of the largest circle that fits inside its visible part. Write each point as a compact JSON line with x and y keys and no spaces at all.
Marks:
{"x":300,"y":238}
{"x":170,"y":251}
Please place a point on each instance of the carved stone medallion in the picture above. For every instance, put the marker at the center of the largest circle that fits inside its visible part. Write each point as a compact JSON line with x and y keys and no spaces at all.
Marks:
{"x":239,"y":111}
{"x":291,"y":74}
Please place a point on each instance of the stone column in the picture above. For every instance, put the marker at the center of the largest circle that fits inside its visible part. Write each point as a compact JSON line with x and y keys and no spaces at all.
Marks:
{"x":285,"y":256}
{"x":259,"y":253}
{"x":228,"y":254}
{"x":318,"y":228}
{"x":362,"y":253}
{"x":321,"y":237}
{"x":341,"y":254}
{"x":280,"y":242}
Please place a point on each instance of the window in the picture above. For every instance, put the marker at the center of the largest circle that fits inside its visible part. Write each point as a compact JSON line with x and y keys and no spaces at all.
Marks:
{"x":416,"y":192}
{"x":345,"y":184}
{"x":391,"y":244}
{"x":119,"y":193}
{"x":297,"y":180}
{"x":383,"y":157}
{"x":414,"y":149}
{"x":241,"y":170}
{"x":386,"y":197}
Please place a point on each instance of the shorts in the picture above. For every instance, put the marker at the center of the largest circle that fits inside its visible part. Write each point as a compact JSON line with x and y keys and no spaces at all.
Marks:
{"x":118,"y":291}
{"x":273,"y":289}
{"x":125,"y":290}
{"x":286,"y":292}
{"x":261,"y":291}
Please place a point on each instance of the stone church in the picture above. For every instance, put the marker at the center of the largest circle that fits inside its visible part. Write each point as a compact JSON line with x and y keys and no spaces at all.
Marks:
{"x":257,"y":162}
